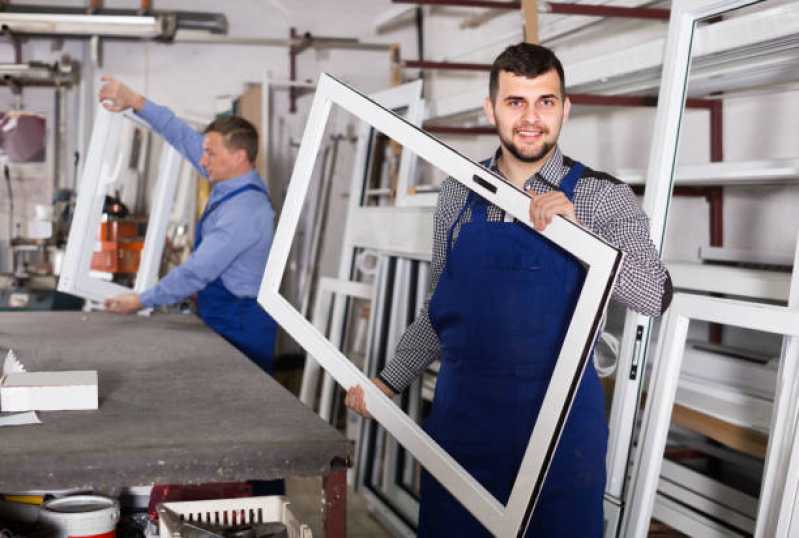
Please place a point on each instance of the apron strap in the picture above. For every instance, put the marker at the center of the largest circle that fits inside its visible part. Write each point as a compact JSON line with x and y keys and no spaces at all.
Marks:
{"x":212,"y":207}
{"x":569,"y":183}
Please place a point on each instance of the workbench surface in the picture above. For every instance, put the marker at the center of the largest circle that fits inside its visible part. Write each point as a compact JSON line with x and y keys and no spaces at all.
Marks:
{"x":178,"y":404}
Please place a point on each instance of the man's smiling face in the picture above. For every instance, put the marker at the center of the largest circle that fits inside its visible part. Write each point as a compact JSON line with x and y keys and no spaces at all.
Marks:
{"x":528,"y":114}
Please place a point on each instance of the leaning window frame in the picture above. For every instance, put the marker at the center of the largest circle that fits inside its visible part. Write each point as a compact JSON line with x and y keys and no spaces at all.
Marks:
{"x":657,"y":197}
{"x":328,"y":289}
{"x":664,"y":381}
{"x":407,"y":96}
{"x":602,"y":261}
{"x":101,"y":160}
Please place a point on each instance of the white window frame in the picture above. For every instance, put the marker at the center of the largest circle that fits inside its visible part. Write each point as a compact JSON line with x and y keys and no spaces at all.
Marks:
{"x":602,"y":261}
{"x":664,"y":381}
{"x":406,"y":96}
{"x":328,"y":289}
{"x":657,"y":197}
{"x":102,"y":163}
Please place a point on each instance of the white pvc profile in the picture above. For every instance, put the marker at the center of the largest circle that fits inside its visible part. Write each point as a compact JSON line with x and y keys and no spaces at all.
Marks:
{"x":327,"y":289}
{"x":680,"y":517}
{"x":364,"y":222}
{"x":663,"y":387}
{"x":101,"y":168}
{"x":602,"y":262}
{"x":738,"y":281}
{"x":744,"y":255}
{"x":657,"y":197}
{"x":721,"y":502}
{"x":754,"y":49}
{"x":762,"y":172}
{"x":408,"y":99}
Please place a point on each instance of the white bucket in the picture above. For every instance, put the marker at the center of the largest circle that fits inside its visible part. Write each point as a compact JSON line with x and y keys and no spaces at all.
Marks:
{"x":83,"y":516}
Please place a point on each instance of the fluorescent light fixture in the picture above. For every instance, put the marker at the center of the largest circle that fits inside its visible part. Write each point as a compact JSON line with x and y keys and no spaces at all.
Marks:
{"x":102,"y":167}
{"x":602,"y":262}
{"x":144,"y":27}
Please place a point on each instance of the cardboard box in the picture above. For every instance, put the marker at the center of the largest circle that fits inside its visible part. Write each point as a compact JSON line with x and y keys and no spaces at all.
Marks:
{"x":49,"y":391}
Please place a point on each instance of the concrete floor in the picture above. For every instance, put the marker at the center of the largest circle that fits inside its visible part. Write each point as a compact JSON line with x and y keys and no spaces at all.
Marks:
{"x":305,"y":495}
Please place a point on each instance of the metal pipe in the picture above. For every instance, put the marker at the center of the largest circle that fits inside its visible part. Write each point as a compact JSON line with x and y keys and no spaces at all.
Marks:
{"x":456,"y":130}
{"x":421,"y":64}
{"x":592,"y":10}
{"x":715,"y":197}
{"x":559,"y":8}
{"x":215,"y":23}
{"x":293,"y":52}
{"x":463,"y":3}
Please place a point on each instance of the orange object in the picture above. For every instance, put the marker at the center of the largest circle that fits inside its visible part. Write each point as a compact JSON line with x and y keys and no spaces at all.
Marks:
{"x":114,"y":230}
{"x":117,"y":256}
{"x":118,"y":248}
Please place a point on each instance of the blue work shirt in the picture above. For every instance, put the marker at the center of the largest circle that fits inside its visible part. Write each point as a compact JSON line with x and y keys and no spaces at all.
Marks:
{"x":236,"y":236}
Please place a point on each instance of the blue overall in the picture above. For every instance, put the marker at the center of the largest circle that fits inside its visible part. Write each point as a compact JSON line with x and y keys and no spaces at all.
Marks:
{"x":240,"y":320}
{"x":501,"y":309}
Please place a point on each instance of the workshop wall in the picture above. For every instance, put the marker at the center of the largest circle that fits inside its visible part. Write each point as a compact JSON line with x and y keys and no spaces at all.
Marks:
{"x":190,"y":78}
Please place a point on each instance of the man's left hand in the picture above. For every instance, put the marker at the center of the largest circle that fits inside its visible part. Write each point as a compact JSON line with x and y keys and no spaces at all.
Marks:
{"x":127,"y":303}
{"x":545,"y":206}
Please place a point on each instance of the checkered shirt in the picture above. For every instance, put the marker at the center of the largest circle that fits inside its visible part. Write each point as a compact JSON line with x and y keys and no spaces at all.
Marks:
{"x":604,"y":205}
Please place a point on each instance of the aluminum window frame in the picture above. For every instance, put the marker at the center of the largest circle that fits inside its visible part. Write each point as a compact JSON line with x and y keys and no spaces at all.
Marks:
{"x":103,"y":160}
{"x":657,"y":197}
{"x":602,"y":261}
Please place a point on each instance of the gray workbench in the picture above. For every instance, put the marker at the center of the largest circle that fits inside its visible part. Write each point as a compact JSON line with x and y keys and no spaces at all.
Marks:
{"x":178,"y":404}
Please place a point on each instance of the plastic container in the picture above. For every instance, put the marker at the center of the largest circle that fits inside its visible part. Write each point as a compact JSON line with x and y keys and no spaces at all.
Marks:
{"x":79,"y":516}
{"x":240,"y":511}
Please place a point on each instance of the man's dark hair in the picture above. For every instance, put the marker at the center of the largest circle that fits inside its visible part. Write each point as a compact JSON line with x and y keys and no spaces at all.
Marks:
{"x":237,"y":132}
{"x":525,"y":60}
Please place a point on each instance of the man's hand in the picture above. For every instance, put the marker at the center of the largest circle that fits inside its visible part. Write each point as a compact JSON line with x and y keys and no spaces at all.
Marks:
{"x":355,"y":397}
{"x":127,"y":303}
{"x":117,"y":97}
{"x":545,"y":206}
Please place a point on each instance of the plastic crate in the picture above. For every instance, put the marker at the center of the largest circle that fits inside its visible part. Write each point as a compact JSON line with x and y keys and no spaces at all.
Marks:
{"x":240,"y":511}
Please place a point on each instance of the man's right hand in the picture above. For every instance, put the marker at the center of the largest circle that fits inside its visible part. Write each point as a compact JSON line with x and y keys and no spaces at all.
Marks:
{"x":355,"y":397}
{"x":117,"y":97}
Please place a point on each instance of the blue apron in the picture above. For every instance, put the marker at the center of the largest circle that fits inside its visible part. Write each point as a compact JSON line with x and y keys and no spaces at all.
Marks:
{"x":240,"y":320}
{"x":501,"y":309}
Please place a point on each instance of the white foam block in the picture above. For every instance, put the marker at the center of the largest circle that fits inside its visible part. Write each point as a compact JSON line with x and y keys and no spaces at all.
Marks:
{"x":49,"y":391}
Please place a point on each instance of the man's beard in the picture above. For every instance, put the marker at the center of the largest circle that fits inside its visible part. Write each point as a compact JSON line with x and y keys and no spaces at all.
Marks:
{"x":546,"y":146}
